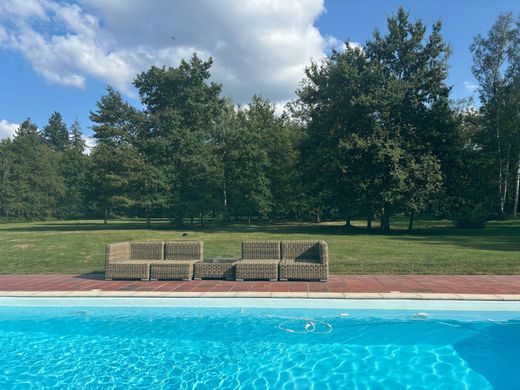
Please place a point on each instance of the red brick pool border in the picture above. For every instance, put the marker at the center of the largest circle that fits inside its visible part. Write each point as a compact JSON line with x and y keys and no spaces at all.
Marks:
{"x":499,"y":287}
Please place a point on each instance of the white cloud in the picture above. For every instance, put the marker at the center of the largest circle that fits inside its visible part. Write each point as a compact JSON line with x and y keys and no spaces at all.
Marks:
{"x":279,"y":107}
{"x":23,"y":9}
{"x":471,"y":86}
{"x":90,"y":142}
{"x":259,"y":46}
{"x":332,"y":43}
{"x":7,"y":129}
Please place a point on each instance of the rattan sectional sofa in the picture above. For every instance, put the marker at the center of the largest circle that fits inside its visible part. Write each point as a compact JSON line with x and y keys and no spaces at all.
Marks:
{"x":259,"y":260}
{"x":306,"y":260}
{"x":271,"y":260}
{"x":152,"y":260}
{"x":284,"y":260}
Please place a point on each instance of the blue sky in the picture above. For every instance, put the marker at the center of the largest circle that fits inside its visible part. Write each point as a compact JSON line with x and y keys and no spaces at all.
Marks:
{"x":59,"y":55}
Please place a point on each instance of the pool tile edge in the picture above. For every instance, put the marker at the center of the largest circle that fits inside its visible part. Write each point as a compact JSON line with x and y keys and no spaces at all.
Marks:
{"x":255,"y":294}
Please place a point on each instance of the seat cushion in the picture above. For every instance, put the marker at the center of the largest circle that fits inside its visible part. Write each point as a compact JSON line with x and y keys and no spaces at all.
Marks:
{"x":257,"y":269}
{"x":258,"y":261}
{"x":165,"y":262}
{"x":300,"y":261}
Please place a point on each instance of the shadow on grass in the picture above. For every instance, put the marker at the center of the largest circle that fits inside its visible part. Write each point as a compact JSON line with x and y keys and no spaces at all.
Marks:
{"x":496,"y":236}
{"x":282,"y":228}
{"x":506,"y":242}
{"x":275,"y":228}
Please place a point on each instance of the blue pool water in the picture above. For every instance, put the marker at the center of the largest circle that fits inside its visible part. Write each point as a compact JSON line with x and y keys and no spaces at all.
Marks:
{"x":256,"y":348}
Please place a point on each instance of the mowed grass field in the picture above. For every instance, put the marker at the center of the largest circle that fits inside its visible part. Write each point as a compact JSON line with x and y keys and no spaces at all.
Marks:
{"x":435,"y":247}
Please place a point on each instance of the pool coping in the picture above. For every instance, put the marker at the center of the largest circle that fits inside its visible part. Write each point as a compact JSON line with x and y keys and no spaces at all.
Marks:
{"x":262,"y":294}
{"x":418,"y":306}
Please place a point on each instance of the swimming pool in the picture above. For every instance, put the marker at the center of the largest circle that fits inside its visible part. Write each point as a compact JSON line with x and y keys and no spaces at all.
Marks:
{"x":258,"y":343}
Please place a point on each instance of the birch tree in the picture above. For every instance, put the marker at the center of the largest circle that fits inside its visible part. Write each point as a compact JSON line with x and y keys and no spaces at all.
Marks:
{"x":495,"y":66}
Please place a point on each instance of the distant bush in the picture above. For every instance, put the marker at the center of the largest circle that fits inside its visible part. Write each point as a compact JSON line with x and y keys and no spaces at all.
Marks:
{"x":471,"y":216}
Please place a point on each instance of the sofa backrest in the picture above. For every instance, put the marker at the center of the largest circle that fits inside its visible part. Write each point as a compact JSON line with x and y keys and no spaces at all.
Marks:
{"x":146,"y":251}
{"x":117,"y":252}
{"x":184,"y":250}
{"x":261,"y":250}
{"x":301,"y":250}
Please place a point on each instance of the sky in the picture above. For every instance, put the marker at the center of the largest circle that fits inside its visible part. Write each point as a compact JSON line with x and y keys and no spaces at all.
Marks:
{"x":60,"y":55}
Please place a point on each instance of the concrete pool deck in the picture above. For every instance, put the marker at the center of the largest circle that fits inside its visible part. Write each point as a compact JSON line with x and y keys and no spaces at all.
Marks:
{"x":453,"y":287}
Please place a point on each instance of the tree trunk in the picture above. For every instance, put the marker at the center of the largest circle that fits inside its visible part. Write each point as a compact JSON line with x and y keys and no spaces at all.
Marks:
{"x":249,"y":218}
{"x":410,"y":224}
{"x":506,"y":185}
{"x":201,"y":218}
{"x":386,"y":218}
{"x":517,"y":189}
{"x":148,"y":222}
{"x":226,"y":216}
{"x":317,"y":217}
{"x":179,"y":218}
{"x":191,"y":220}
{"x":347,"y":222}
{"x":369,"y":220}
{"x":499,"y":149}
{"x":106,"y":215}
{"x":500,"y":177}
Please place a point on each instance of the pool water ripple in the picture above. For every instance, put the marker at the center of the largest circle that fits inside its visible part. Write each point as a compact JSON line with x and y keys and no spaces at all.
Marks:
{"x":200,"y":348}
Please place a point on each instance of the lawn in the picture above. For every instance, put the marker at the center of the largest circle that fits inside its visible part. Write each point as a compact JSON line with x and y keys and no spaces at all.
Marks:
{"x":436,"y":247}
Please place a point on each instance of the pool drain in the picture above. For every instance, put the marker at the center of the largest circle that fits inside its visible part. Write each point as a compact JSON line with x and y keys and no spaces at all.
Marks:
{"x":305,"y":325}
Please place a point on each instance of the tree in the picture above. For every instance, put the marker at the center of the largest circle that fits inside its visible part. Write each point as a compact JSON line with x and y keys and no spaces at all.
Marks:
{"x":55,"y":133}
{"x":182,"y":108}
{"x":271,"y":134}
{"x":374,"y":139}
{"x":74,"y":169}
{"x":473,"y":199}
{"x":333,"y":105}
{"x":114,"y":156}
{"x":247,"y":165}
{"x":31,"y":184}
{"x":414,"y":99}
{"x":495,"y":66}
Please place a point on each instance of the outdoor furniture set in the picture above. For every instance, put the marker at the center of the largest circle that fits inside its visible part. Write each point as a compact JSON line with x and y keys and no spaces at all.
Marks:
{"x":271,"y":260}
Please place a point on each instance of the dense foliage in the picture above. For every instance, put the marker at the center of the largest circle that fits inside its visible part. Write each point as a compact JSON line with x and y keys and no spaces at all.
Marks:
{"x":372,"y":133}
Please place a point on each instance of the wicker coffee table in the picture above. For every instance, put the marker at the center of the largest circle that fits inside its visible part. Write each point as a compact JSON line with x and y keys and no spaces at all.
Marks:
{"x":214,"y":269}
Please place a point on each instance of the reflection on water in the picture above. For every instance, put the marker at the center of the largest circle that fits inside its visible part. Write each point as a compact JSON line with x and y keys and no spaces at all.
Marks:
{"x":227,"y":348}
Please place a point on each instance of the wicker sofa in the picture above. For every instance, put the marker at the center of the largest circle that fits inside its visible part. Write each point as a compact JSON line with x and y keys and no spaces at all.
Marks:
{"x":273,"y":260}
{"x":259,"y":260}
{"x":152,"y":260}
{"x":308,"y":260}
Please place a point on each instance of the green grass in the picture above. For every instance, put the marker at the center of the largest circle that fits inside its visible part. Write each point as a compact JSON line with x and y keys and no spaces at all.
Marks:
{"x":436,"y":247}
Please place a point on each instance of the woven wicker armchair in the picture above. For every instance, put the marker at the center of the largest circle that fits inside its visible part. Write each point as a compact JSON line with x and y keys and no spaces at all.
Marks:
{"x":131,"y":260}
{"x":259,"y":260}
{"x":179,"y":257}
{"x":306,"y":260}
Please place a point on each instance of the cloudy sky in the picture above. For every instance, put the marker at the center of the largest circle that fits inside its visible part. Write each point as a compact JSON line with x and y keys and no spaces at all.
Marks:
{"x":59,"y":55}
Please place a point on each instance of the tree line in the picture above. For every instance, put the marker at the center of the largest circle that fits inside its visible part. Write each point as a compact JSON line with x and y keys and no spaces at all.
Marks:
{"x":372,"y":133}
